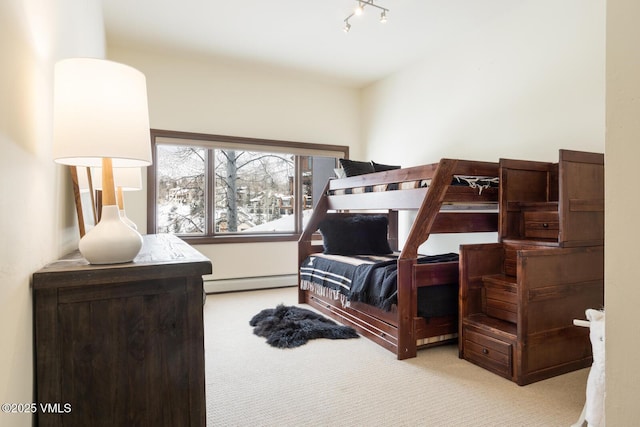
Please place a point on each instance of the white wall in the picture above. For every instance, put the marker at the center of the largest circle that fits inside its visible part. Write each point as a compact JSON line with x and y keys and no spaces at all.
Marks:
{"x":37,"y":221}
{"x":524,"y":84}
{"x":622,"y":232}
{"x":209,"y":95}
{"x":527,"y":83}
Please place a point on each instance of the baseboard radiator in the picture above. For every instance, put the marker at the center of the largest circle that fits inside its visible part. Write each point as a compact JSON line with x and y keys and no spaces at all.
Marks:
{"x":250,"y":283}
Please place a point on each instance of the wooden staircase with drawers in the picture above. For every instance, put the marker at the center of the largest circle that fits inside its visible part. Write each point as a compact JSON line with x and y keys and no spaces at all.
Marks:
{"x":518,"y":297}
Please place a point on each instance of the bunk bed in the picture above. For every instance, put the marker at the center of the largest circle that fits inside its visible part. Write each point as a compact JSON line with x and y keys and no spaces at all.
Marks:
{"x":451,"y":196}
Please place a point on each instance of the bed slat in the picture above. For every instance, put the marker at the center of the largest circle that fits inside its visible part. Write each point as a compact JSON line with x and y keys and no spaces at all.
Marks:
{"x":436,"y":274}
{"x":465,"y":222}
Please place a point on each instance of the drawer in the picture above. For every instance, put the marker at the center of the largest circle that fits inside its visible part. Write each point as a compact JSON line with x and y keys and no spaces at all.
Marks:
{"x":488,"y":352}
{"x":500,"y":298}
{"x":541,"y":225}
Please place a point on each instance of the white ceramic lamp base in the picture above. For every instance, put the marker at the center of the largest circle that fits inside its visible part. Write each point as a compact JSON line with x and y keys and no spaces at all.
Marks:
{"x":111,"y":241}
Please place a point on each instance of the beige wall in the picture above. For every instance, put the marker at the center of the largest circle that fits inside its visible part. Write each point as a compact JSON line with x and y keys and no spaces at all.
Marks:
{"x":209,"y":95}
{"x":523,"y":85}
{"x":622,"y":234}
{"x":36,"y":207}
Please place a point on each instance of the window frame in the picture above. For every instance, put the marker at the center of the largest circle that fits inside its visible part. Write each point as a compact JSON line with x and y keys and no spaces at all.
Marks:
{"x":209,"y":141}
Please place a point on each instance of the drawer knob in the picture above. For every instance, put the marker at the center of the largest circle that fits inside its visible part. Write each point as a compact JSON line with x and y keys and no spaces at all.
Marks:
{"x":485,"y":351}
{"x":545,"y":225}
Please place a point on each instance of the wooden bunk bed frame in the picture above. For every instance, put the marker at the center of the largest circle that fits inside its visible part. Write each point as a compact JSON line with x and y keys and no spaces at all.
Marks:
{"x":401,"y":330}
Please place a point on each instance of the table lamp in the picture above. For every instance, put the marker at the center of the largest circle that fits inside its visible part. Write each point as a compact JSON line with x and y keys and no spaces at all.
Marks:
{"x":86,"y":209}
{"x":125,"y":179}
{"x":101,"y":119}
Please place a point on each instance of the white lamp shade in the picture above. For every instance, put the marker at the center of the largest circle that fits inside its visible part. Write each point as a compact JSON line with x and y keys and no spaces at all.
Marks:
{"x":128,"y":179}
{"x":100,"y":110}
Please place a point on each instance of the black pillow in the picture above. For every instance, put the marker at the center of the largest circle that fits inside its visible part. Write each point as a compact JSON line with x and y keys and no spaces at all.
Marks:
{"x":380,"y":167}
{"x":355,"y":235}
{"x":354,"y":167}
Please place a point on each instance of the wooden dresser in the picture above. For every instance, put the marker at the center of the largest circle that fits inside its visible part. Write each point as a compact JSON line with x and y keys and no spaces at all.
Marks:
{"x":122,"y":344}
{"x":518,"y":297}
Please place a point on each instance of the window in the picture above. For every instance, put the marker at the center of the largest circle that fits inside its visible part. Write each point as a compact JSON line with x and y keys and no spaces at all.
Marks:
{"x":212,"y":188}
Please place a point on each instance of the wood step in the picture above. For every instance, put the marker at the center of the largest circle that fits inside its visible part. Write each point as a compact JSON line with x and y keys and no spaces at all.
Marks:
{"x":511,"y":249}
{"x":495,"y":327}
{"x":501,"y":297}
{"x":539,"y":206}
{"x":501,"y":280}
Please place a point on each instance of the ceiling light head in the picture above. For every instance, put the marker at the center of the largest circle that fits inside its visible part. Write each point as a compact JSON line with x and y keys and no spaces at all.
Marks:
{"x":359,"y":9}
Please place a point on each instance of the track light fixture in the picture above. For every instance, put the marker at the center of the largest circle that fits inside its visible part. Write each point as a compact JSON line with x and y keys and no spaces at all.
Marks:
{"x":359,"y":10}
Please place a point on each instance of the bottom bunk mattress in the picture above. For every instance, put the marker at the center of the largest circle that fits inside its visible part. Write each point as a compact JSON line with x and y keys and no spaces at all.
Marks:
{"x":372,"y":279}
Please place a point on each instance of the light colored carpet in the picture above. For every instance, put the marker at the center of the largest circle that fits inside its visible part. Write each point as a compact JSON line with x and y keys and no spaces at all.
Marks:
{"x":357,"y":383}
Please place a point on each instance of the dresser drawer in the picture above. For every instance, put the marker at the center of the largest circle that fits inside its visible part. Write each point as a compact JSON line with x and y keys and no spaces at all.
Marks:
{"x":488,"y":352}
{"x":541,"y":225}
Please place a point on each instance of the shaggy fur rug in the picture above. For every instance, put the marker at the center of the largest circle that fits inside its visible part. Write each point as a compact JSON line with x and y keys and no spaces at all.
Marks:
{"x":290,"y":326}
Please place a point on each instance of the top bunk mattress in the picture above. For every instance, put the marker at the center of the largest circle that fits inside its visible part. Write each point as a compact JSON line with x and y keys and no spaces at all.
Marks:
{"x":480,"y":183}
